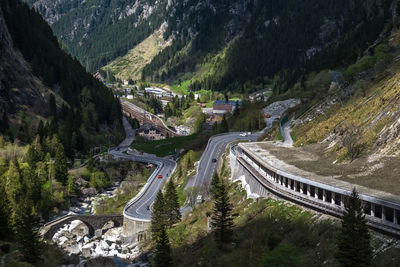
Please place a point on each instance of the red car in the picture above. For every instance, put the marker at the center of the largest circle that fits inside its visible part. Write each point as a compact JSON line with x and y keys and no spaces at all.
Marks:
{"x":159,"y":176}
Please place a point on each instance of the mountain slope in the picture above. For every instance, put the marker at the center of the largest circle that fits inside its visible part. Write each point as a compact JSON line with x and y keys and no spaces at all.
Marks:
{"x":275,"y":37}
{"x":98,"y":31}
{"x":269,"y":36}
{"x":82,"y":110}
{"x":131,"y":65}
{"x":19,"y":89}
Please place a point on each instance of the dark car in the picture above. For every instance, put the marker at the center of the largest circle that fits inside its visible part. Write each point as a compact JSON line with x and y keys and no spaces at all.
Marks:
{"x":214,"y":160}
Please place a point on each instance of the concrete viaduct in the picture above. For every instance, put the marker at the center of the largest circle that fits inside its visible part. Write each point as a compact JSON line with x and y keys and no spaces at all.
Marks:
{"x":260,"y":179}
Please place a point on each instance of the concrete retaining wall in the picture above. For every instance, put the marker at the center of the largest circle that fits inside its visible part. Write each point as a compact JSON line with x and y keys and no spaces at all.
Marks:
{"x":264,"y":180}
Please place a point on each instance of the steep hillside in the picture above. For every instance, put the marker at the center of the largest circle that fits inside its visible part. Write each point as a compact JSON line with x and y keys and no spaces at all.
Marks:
{"x":19,"y":89}
{"x":98,"y":31}
{"x":261,"y":38}
{"x":75,"y":106}
{"x":130,"y":66}
{"x":363,"y":106}
{"x":288,"y":37}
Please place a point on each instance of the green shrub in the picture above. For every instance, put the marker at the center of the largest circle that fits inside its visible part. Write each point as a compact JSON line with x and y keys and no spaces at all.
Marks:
{"x":285,"y":254}
{"x":98,"y":180}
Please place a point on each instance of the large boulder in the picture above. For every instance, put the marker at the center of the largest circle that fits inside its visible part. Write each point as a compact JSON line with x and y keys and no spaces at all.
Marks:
{"x":89,"y":191}
{"x":104,"y":245}
{"x":98,"y":233}
{"x":108,"y":225}
{"x":86,"y":250}
{"x":61,"y":240}
{"x":71,"y":247}
{"x":112,"y":235}
{"x":78,"y":228}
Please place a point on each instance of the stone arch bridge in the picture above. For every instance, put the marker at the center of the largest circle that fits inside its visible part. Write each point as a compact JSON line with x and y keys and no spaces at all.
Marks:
{"x":93,"y":222}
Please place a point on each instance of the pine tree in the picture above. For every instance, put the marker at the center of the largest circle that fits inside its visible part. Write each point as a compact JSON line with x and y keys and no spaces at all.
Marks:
{"x":53,"y":106}
{"x":4,"y":210}
{"x":172,"y":204}
{"x":35,"y":152}
{"x":13,"y":188}
{"x":90,"y":163}
{"x":40,"y":130}
{"x":4,"y":125}
{"x":163,"y":250}
{"x":354,"y":240}
{"x":224,"y":124}
{"x":25,"y":231}
{"x":215,"y":183}
{"x":158,"y":215}
{"x":221,"y":219}
{"x":60,"y":165}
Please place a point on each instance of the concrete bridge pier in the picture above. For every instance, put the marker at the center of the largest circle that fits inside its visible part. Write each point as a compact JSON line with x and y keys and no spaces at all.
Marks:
{"x":136,"y":229}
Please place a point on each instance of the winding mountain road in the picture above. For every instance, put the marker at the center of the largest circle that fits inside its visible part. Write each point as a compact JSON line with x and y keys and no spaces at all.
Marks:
{"x":137,"y":208}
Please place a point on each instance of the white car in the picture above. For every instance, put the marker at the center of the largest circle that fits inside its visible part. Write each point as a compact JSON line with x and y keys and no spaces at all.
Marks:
{"x":243,"y":134}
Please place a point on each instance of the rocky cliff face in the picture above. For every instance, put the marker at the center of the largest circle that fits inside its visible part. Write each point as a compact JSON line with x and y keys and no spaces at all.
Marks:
{"x":19,"y":89}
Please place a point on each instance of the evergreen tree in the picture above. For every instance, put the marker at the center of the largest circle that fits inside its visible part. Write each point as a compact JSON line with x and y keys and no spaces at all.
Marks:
{"x":224,"y":124}
{"x":53,"y":106}
{"x":35,"y":152}
{"x":4,"y":210}
{"x":158,"y":215}
{"x":40,"y":130}
{"x":25,"y":231}
{"x":221,"y":219}
{"x":60,"y":165}
{"x":13,"y":189}
{"x":90,"y":163}
{"x":215,"y":183}
{"x":163,"y":250}
{"x":172,"y":204}
{"x":354,"y":240}
{"x":4,"y":125}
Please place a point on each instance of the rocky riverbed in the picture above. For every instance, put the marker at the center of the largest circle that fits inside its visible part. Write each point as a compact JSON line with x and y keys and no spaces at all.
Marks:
{"x":75,"y":239}
{"x":107,"y":247}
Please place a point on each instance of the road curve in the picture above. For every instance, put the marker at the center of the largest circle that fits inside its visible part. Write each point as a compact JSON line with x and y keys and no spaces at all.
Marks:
{"x":137,"y":208}
{"x":214,"y":150}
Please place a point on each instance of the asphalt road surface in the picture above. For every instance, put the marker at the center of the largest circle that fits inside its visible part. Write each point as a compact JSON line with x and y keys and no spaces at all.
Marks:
{"x":214,"y":150}
{"x":140,"y":206}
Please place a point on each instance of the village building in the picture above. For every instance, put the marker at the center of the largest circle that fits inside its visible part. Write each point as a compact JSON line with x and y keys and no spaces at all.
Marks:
{"x":221,"y":106}
{"x":149,"y":133}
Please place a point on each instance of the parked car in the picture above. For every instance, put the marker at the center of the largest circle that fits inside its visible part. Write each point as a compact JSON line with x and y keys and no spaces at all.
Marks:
{"x":159,"y":176}
{"x":199,"y":199}
{"x":267,"y":116}
{"x":214,"y":160}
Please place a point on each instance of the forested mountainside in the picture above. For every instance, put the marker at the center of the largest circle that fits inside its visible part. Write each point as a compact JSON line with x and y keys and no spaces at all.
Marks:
{"x":232,"y":42}
{"x":97,"y":31}
{"x":44,"y":90}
